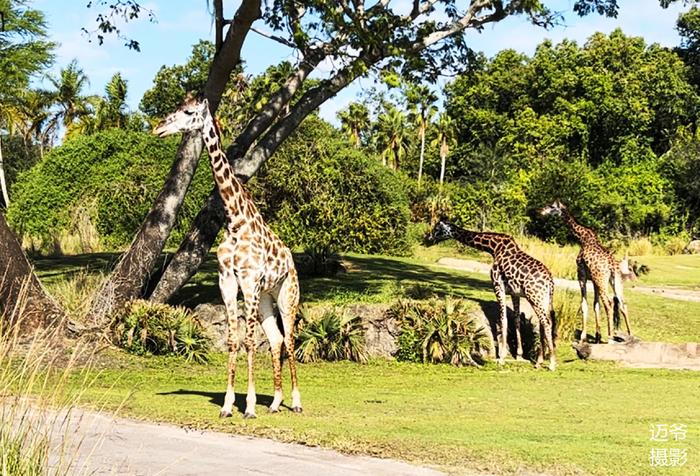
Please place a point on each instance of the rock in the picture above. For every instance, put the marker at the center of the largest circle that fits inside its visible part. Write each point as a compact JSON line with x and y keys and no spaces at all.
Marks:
{"x":213,"y":318}
{"x":644,"y":354}
{"x":693,"y":247}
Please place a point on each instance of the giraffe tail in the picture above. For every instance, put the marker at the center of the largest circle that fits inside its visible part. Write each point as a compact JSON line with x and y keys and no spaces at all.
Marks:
{"x":553,"y":319}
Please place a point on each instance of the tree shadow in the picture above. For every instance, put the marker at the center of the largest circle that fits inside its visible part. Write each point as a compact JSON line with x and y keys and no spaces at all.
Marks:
{"x":217,"y":398}
{"x":528,"y":333}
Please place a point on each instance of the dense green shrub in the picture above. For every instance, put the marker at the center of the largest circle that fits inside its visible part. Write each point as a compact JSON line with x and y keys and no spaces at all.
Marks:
{"x":333,"y":336}
{"x":440,"y":330}
{"x":147,"y":328}
{"x":317,"y":191}
{"x":112,"y":177}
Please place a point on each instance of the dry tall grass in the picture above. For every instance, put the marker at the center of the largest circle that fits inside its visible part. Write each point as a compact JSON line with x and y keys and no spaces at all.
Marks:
{"x":35,"y":405}
{"x":561,"y":260}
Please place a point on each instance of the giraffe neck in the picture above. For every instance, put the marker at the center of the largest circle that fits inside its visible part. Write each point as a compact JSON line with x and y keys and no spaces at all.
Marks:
{"x":480,"y":240}
{"x":237,"y":201}
{"x":583,"y":235}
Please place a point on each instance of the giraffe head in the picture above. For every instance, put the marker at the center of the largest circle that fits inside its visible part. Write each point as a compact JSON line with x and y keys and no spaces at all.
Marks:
{"x":188,"y":117}
{"x":441,"y":231}
{"x":557,"y":209}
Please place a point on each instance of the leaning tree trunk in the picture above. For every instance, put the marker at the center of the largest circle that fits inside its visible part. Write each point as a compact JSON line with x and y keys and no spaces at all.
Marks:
{"x":132,"y":273}
{"x":22,"y":297}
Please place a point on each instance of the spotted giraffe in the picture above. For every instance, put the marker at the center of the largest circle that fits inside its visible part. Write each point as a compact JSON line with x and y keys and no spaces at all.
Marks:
{"x":516,"y":273}
{"x":251,"y":258}
{"x":596,"y":263}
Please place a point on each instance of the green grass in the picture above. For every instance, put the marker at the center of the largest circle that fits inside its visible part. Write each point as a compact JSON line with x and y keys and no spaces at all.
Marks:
{"x":681,"y":271}
{"x":586,"y":418}
{"x":590,"y":418}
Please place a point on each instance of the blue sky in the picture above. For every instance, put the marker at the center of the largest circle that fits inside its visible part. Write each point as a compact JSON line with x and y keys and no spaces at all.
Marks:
{"x":181,"y":23}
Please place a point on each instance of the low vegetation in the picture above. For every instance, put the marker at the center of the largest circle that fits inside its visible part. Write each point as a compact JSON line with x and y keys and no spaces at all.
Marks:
{"x":333,"y":336}
{"x":440,"y":330}
{"x":146,"y":328}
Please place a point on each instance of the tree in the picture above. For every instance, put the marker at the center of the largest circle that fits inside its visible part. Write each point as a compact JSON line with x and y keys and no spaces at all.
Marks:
{"x":355,"y":122}
{"x":68,"y":95}
{"x":688,"y":26}
{"x":421,"y":101}
{"x":24,"y":52}
{"x":391,"y":136}
{"x":444,"y":140}
{"x":361,"y":39}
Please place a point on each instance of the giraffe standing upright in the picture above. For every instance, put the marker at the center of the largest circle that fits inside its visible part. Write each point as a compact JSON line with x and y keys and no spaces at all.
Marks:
{"x":516,"y":273}
{"x":251,"y":258}
{"x":596,"y":263}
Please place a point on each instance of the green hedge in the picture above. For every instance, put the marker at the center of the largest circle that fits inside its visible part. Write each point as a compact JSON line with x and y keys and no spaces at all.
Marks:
{"x":112,"y":177}
{"x":315,"y":191}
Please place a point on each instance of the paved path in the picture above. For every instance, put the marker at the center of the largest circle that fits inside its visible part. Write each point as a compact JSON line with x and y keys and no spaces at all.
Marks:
{"x":108,"y":445}
{"x":479,"y":267}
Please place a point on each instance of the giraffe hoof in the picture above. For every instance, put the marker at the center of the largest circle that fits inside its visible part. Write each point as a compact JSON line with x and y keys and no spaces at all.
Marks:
{"x":273,"y":410}
{"x":224,"y":414}
{"x":598,"y":339}
{"x":552,"y":367}
{"x":249,"y":416}
{"x":297,"y":409}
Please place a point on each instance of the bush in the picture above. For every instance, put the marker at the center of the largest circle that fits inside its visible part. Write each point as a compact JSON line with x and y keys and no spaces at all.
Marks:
{"x":319,"y":192}
{"x":109,"y":180}
{"x":318,"y":261}
{"x":332,"y":337}
{"x":440,"y":330}
{"x":640,"y":247}
{"x":147,"y":328}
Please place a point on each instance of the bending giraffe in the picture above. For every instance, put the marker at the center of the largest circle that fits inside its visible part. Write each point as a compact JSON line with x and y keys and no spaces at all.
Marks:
{"x":516,"y":273}
{"x":251,"y":258}
{"x":596,"y":263}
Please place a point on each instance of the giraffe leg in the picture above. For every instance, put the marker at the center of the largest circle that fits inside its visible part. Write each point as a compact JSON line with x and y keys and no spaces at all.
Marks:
{"x":252,"y":303}
{"x":288,"y":304}
{"x":596,"y":313}
{"x":229,"y":293}
{"x":274,"y":337}
{"x":546,"y":336}
{"x":582,"y":278}
{"x":540,"y":350}
{"x":499,"y":288}
{"x":516,"y":311}
{"x":607,"y":304}
{"x":619,"y":294}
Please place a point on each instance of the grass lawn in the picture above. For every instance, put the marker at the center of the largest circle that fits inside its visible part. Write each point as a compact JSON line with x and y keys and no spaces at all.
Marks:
{"x":586,"y":418}
{"x":681,"y":271}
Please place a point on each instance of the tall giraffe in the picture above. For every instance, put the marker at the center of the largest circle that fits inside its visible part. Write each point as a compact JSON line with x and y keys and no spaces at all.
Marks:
{"x":596,"y":263}
{"x":516,"y":273}
{"x":251,"y":258}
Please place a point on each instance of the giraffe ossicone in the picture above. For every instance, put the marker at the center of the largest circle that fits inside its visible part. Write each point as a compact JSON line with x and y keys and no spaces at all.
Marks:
{"x":252,"y":259}
{"x":513,"y":273}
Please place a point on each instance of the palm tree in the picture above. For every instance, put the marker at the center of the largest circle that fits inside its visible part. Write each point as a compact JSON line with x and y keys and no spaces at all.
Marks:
{"x":420,"y":102}
{"x":392,"y":136}
{"x":114,"y":111}
{"x":444,"y":140}
{"x":354,"y":122}
{"x":68,"y":94}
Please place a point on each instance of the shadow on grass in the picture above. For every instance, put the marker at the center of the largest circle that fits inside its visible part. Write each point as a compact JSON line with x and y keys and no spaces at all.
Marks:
{"x":371,"y":278}
{"x":217,"y":398}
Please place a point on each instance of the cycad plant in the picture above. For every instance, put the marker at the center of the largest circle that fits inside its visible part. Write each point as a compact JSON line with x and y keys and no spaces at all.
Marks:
{"x":332,"y":337}
{"x":159,"y":329}
{"x":440,"y":330}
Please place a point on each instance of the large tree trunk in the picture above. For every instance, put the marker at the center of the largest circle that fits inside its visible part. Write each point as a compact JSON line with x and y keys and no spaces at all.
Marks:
{"x":22,"y":297}
{"x":132,"y":273}
{"x":209,"y":220}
